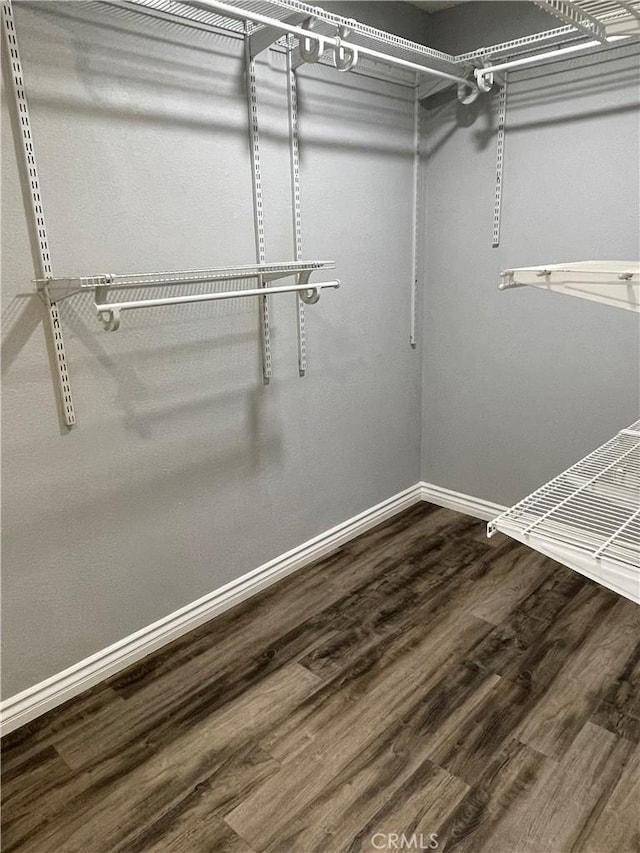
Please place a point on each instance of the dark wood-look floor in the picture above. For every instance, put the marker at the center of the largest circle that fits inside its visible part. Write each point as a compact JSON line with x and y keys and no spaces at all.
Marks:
{"x":421,"y":680}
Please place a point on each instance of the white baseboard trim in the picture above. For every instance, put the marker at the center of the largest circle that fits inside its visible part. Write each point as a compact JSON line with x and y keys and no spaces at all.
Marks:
{"x":477,"y":507}
{"x":34,"y":701}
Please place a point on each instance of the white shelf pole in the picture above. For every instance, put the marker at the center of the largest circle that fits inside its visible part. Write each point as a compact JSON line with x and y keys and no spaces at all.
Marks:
{"x":539,"y":57}
{"x":415,"y":213}
{"x":109,"y":312}
{"x":161,"y":301}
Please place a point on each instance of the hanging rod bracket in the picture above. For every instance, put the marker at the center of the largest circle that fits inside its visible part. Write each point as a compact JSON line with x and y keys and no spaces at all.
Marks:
{"x":311,"y":49}
{"x":61,"y":288}
{"x":110,"y":318}
{"x":344,"y":58}
{"x":484,"y":76}
{"x":309,"y":297}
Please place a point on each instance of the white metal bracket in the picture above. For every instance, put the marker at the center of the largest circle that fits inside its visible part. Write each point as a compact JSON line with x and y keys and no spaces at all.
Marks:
{"x":64,"y":384}
{"x":38,"y":224}
{"x":311,"y":295}
{"x":508,"y":281}
{"x":310,"y":49}
{"x":262,"y":38}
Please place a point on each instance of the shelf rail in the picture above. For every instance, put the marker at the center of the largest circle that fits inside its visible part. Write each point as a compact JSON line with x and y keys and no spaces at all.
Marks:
{"x":314,"y":43}
{"x":57,"y":289}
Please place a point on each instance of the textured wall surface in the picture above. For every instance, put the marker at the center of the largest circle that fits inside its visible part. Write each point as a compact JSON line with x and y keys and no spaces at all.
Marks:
{"x":184,"y":471}
{"x":520,"y":384}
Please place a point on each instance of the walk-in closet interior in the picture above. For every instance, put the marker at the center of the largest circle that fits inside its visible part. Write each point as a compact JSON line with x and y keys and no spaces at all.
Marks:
{"x":320,"y":426}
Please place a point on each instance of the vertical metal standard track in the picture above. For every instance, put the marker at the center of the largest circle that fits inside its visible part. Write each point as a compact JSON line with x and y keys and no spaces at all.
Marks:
{"x":44,"y":269}
{"x":415,"y":213}
{"x":294,"y":159}
{"x":258,"y":209}
{"x":497,"y":207}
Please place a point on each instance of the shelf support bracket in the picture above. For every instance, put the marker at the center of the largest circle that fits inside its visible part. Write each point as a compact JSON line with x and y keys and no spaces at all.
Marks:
{"x":37,"y":224}
{"x":508,"y":281}
{"x":264,"y":37}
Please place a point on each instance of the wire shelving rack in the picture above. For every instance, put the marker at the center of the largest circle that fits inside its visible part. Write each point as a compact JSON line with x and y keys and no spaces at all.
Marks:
{"x":615,"y":283}
{"x":588,"y":517}
{"x":308,"y":34}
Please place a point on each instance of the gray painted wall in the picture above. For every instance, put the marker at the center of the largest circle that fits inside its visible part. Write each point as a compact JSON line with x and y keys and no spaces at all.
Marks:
{"x":184,"y":472}
{"x":518,"y":385}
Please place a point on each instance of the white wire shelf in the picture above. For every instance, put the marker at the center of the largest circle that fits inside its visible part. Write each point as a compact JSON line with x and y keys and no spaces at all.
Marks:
{"x":589,"y":23}
{"x":108,"y":311}
{"x":610,"y":17}
{"x":60,"y":288}
{"x":273,"y":19}
{"x":589,"y":516}
{"x":615,"y":283}
{"x":361,"y":34}
{"x":287,"y":11}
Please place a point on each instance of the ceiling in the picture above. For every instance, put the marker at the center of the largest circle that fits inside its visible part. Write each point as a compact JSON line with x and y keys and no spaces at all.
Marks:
{"x":434,"y":5}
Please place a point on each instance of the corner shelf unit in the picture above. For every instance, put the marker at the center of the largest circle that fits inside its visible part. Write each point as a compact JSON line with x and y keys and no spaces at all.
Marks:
{"x":615,"y":283}
{"x":589,"y":516}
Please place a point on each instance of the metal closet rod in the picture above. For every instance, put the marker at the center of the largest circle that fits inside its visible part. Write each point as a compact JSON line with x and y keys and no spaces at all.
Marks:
{"x":256,"y":17}
{"x":109,"y":312}
{"x":480,"y":73}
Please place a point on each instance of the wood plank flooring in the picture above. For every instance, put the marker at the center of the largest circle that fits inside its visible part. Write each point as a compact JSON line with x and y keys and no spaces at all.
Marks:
{"x":422,"y":685}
